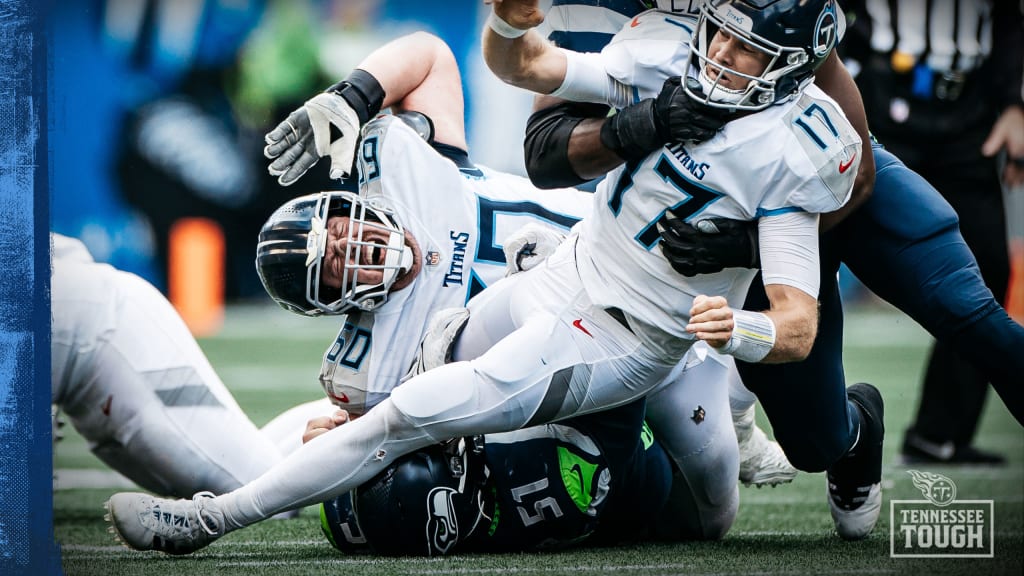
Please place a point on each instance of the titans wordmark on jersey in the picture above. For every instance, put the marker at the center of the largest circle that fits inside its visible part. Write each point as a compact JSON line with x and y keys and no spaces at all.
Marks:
{"x":459,"y":217}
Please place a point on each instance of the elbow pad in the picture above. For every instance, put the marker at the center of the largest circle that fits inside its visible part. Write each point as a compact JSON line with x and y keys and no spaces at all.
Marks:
{"x":546,"y":146}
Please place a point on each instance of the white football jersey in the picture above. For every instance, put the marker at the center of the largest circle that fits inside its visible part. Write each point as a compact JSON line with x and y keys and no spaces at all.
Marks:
{"x":799,"y":155}
{"x":459,"y":217}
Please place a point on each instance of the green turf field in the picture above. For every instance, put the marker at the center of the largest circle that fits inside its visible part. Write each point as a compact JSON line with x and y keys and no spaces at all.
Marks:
{"x":270,"y":359}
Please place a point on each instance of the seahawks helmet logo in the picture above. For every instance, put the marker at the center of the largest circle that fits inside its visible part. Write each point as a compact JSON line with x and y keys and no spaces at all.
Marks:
{"x":826,"y":30}
{"x":442,"y":527}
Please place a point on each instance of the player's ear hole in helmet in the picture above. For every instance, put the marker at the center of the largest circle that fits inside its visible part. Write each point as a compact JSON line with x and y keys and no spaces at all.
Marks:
{"x":425,"y":503}
{"x":797,"y":35}
{"x":292,"y":244}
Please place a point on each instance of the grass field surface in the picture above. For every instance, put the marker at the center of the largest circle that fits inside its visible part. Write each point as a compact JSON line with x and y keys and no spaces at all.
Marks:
{"x":270,"y":360}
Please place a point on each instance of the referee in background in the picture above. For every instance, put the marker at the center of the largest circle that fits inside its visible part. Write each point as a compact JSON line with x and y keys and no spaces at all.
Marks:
{"x":941,"y":83}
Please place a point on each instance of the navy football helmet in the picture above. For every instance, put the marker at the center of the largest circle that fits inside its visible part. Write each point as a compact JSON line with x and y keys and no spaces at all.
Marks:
{"x":293,"y":241}
{"x":339,"y":525}
{"x":425,"y":503}
{"x":797,"y":35}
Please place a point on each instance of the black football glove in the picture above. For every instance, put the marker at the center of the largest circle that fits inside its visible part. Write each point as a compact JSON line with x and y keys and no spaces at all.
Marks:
{"x":709,"y":245}
{"x":639,"y":129}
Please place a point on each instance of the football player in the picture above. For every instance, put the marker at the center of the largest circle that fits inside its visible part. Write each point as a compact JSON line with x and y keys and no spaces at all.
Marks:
{"x":604,"y":320}
{"x":539,"y":488}
{"x":903,"y":242}
{"x":455,"y":249}
{"x":133,"y":381}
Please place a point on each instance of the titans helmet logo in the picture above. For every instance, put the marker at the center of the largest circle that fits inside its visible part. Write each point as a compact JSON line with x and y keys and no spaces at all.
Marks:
{"x":826,"y":30}
{"x":938,"y":489}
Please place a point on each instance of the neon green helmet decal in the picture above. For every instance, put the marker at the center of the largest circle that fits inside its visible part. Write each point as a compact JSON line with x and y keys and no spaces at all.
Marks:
{"x":325,"y":527}
{"x":497,"y":513}
{"x":646,"y":436}
{"x":578,"y":475}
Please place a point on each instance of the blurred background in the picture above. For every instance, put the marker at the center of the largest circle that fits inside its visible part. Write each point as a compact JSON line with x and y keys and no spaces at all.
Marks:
{"x":158,"y":108}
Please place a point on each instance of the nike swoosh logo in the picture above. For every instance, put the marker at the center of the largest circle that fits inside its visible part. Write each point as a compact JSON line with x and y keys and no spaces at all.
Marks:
{"x":844,"y":166}
{"x":635,"y":22}
{"x":106,"y":406}
{"x":343,"y":398}
{"x":578,"y":323}
{"x":579,"y":475}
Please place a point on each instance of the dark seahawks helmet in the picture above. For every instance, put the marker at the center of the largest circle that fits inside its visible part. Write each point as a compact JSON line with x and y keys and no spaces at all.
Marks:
{"x":797,"y":35}
{"x":293,"y":242}
{"x":425,"y":503}
{"x":338,"y":523}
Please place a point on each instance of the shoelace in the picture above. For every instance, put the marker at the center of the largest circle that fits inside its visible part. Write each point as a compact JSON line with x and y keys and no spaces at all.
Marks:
{"x":200,"y":500}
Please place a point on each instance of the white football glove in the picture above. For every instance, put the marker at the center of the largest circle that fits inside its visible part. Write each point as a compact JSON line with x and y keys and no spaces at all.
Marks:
{"x":299,"y":142}
{"x":529,"y":246}
{"x":439,"y":340}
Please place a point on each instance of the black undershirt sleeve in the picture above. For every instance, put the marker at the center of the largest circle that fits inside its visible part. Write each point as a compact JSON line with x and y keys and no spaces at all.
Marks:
{"x":546,"y":146}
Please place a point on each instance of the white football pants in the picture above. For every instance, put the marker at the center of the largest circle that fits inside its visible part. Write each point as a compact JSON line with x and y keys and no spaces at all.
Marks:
{"x":690,"y":416}
{"x":133,"y":381}
{"x":541,"y":352}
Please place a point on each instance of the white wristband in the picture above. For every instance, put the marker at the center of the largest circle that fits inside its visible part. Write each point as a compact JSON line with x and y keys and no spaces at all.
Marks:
{"x":504,"y":29}
{"x":753,"y":336}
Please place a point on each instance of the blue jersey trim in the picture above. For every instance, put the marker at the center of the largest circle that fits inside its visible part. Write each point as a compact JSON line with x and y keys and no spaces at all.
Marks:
{"x":580,"y":41}
{"x":777,"y":211}
{"x":679,"y":24}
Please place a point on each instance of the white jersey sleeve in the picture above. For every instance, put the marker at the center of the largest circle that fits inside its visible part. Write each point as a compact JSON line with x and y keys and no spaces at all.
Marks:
{"x":647,"y":50}
{"x":827,"y":142}
{"x":651,"y":47}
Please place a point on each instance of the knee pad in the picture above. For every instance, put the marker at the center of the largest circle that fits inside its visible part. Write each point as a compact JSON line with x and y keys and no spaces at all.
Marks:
{"x":437,"y":394}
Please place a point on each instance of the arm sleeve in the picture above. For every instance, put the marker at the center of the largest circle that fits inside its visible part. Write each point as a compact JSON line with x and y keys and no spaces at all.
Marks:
{"x":586,"y":80}
{"x":547,"y":142}
{"x":789,"y":250}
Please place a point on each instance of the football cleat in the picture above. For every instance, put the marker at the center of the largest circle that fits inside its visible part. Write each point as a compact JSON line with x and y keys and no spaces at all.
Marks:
{"x":855,"y":518}
{"x":855,"y":482}
{"x":762,"y":461}
{"x":145,"y":522}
